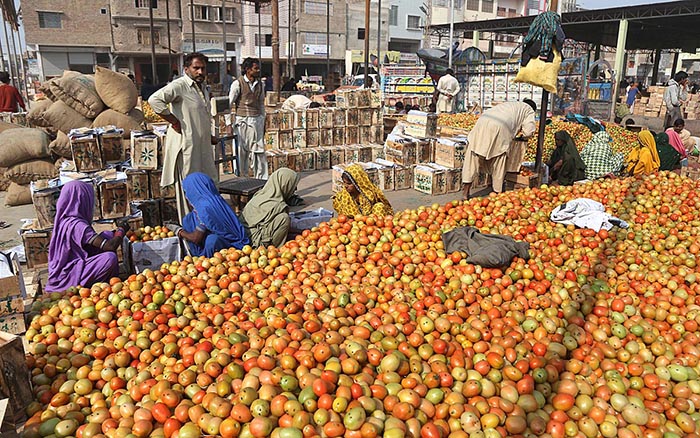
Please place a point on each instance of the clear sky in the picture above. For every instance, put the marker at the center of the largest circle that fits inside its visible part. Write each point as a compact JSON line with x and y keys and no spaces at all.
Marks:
{"x":602,"y":4}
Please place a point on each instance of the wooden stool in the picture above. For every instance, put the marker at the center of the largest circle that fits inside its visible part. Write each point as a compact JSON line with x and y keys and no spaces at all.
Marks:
{"x":241,"y":190}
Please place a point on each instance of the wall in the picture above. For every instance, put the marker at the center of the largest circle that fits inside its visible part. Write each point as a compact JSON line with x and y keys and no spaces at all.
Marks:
{"x":405,"y":8}
{"x":129,"y":21}
{"x":82,"y":23}
{"x":356,"y":19}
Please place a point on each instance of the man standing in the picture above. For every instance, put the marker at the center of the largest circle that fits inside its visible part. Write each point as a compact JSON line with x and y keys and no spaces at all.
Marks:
{"x":184,"y":103}
{"x":10,"y":99}
{"x":490,"y":140}
{"x":674,"y":96}
{"x":447,"y":88}
{"x":248,"y":96}
{"x":226,"y":82}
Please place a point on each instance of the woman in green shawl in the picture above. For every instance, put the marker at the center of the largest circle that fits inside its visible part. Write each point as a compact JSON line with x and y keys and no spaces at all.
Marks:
{"x":265,"y":216}
{"x":668,"y":156}
{"x":566,"y":166}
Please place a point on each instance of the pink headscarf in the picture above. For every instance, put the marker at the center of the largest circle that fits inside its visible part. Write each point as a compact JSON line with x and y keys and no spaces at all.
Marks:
{"x":676,"y":141}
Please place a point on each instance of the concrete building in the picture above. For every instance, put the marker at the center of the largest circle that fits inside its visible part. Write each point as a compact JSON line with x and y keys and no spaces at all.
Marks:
{"x":356,"y":32}
{"x":80,"y":34}
{"x":406,"y":20}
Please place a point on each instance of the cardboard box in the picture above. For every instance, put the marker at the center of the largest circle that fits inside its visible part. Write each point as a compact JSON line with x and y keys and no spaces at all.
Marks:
{"x":150,"y":211}
{"x":422,"y":118}
{"x":286,"y":120}
{"x":323,"y":158}
{"x":114,"y":199}
{"x":326,"y":137}
{"x":299,"y":119}
{"x":286,"y":140}
{"x":326,"y":118}
{"x":86,"y":154}
{"x":450,"y":152}
{"x":272,"y":121}
{"x":352,"y":135}
{"x":11,"y":278}
{"x":400,"y":150}
{"x":308,"y":160}
{"x":338,"y":118}
{"x":299,"y":140}
{"x":514,"y":181}
{"x":152,"y":254}
{"x":144,"y":152}
{"x":137,"y":185}
{"x":352,"y":117}
{"x":366,"y":117}
{"x":112,"y":148}
{"x":271,"y":140}
{"x":168,"y":211}
{"x":158,"y":191}
{"x":36,"y":249}
{"x":312,"y":116}
{"x":45,"y":206}
{"x":419,"y":131}
{"x":338,"y":136}
{"x":429,"y":180}
{"x":306,"y":220}
{"x":15,"y":376}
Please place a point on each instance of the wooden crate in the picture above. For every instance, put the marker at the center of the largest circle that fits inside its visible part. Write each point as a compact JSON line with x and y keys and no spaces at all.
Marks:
{"x":272,"y":121}
{"x":271,"y":139}
{"x":150,"y":211}
{"x":137,"y":188}
{"x":36,"y":248}
{"x":352,"y":117}
{"x":403,"y":177}
{"x":338,"y":136}
{"x":299,"y":141}
{"x":112,"y":148}
{"x":45,"y":206}
{"x":86,"y":154}
{"x":313,"y":138}
{"x":309,"y":158}
{"x":352,"y":135}
{"x":144,"y":152}
{"x":294,"y":160}
{"x":114,"y":199}
{"x":323,"y":158}
{"x":168,"y":211}
{"x":286,"y":120}
{"x":326,"y":137}
{"x":286,"y":139}
{"x":14,"y":375}
{"x":312,"y":119}
{"x":158,"y":191}
{"x":338,"y":117}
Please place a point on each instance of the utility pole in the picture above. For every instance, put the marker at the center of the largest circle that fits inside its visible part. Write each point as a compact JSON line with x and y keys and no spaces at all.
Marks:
{"x":23,"y":80}
{"x":194,"y":43}
{"x":328,"y":42}
{"x":379,"y":37}
{"x":2,"y":57}
{"x":167,"y":29}
{"x":224,"y":65}
{"x":366,"y":41}
{"x":289,"y":39}
{"x":452,"y":30}
{"x":154,"y":70}
{"x":275,"y":45}
{"x":543,"y":112}
{"x":10,"y":62}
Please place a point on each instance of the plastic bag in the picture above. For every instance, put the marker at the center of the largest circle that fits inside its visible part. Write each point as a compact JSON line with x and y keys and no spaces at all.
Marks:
{"x":541,"y":74}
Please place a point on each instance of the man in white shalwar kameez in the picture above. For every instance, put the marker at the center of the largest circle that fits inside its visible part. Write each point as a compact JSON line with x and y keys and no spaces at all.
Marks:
{"x":447,"y":87}
{"x":184,"y":103}
{"x":491,"y":138}
{"x":247,"y":96}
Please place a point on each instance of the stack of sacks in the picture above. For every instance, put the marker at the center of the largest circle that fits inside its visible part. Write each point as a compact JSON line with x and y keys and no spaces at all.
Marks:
{"x":24,"y":152}
{"x":120,"y":96}
{"x":4,"y":182}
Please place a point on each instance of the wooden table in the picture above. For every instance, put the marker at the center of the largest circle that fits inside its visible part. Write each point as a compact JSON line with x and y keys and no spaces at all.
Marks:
{"x":241,"y":189}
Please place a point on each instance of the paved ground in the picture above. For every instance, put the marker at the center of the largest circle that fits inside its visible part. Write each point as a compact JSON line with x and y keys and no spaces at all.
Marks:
{"x":314,"y":187}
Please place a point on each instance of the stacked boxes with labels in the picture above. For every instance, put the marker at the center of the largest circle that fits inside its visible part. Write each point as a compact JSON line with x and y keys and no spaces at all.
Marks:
{"x":13,"y":293}
{"x":307,"y":139}
{"x":652,"y":106}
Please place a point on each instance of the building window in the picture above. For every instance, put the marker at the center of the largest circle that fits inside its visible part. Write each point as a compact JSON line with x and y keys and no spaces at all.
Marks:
{"x":458,"y":4}
{"x":50,"y":20}
{"x":318,"y":38}
{"x":440,"y":3}
{"x":144,"y":36}
{"x":487,"y":6}
{"x":394,"y":16}
{"x":143,"y":4}
{"x":360,"y":33}
{"x":512,"y":13}
{"x":412,"y":22}
{"x":230,"y":47}
{"x":316,"y":8}
{"x":266,"y":39}
{"x":473,"y":5}
{"x":229,"y":15}
{"x":201,"y":13}
{"x":501,"y":12}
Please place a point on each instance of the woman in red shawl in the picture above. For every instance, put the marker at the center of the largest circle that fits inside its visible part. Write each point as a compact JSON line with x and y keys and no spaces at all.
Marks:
{"x":674,"y":137}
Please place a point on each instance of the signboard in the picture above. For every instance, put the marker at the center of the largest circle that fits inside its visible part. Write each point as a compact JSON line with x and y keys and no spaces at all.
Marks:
{"x":314,"y":49}
{"x":358,"y":56}
{"x":202,"y":44}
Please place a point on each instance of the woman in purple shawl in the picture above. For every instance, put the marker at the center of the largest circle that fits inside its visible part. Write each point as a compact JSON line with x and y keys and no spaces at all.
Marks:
{"x":78,"y":256}
{"x":212,"y":225}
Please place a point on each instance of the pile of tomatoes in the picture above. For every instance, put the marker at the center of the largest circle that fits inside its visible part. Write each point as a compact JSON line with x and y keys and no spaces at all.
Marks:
{"x":367,"y":327}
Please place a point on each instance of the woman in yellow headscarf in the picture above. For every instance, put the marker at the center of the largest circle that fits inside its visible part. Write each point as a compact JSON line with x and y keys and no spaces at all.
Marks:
{"x":359,"y":197}
{"x":644,"y":159}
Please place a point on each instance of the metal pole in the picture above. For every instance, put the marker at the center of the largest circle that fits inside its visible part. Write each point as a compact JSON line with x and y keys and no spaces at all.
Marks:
{"x":289,"y":39}
{"x":543,"y":114}
{"x":224,"y":61}
{"x":379,"y":37}
{"x":167,"y":30}
{"x":655,"y":72}
{"x":2,"y":57}
{"x":275,"y":45}
{"x":366,"y":41}
{"x":452,"y":30}
{"x":23,"y":80}
{"x":328,"y":41}
{"x":194,"y":40}
{"x":9,"y":51}
{"x":154,"y":70}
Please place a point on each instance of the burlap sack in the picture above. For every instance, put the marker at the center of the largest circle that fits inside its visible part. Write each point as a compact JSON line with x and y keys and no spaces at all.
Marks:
{"x":4,"y":126}
{"x":4,"y":182}
{"x":61,"y":146}
{"x":45,"y":88}
{"x":127,"y":122}
{"x":17,"y":195}
{"x":64,"y":118}
{"x":22,"y":144}
{"x":116,"y":90}
{"x":79,"y":93}
{"x":35,"y":116}
{"x":24,"y":173}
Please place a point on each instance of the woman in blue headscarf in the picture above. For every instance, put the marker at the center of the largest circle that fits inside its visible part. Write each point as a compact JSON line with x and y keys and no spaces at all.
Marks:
{"x":211,"y":225}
